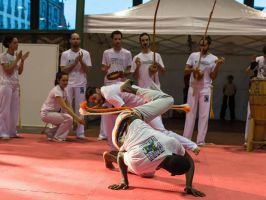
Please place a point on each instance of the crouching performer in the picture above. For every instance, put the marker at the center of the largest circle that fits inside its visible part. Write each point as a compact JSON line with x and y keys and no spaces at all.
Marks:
{"x":142,"y":149}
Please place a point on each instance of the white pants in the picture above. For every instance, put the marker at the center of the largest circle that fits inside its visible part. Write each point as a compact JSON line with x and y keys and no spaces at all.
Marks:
{"x":77,"y":93}
{"x":63,"y":121}
{"x":107,"y":125}
{"x":201,"y":99}
{"x":9,"y":109}
{"x":157,"y":124}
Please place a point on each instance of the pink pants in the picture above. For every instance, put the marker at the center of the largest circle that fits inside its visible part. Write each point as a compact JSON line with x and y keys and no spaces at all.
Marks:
{"x":63,"y":122}
{"x":9,"y":108}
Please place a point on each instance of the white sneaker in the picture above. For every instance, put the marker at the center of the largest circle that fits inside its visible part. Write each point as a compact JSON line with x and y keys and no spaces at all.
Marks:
{"x":6,"y":137}
{"x":59,"y":139}
{"x":82,"y":137}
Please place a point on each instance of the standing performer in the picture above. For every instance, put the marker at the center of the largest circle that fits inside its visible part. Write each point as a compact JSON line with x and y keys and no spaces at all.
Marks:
{"x":76,"y":62}
{"x":143,"y":150}
{"x":256,"y":69}
{"x":116,"y":60}
{"x":12,"y":65}
{"x":143,"y":62}
{"x":117,"y":99}
{"x":200,"y":89}
{"x":57,"y":111}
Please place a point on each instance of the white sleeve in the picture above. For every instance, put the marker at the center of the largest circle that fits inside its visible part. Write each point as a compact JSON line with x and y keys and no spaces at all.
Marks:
{"x":116,"y":101}
{"x":58,"y":93}
{"x":159,"y":60}
{"x":87,"y":59}
{"x":133,"y":65}
{"x":129,"y":59}
{"x":4,"y":59}
{"x":190,"y":60}
{"x":63,"y":60}
{"x":105,"y":58}
{"x":213,"y":64}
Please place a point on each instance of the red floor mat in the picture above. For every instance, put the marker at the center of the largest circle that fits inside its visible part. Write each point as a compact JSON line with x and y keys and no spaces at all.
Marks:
{"x":35,"y":169}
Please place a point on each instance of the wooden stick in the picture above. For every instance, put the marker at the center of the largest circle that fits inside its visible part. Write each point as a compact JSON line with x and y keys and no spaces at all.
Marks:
{"x":154,"y":31}
{"x":206,"y":29}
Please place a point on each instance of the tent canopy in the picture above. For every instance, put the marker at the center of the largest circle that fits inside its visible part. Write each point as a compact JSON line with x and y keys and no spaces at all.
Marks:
{"x":182,"y":17}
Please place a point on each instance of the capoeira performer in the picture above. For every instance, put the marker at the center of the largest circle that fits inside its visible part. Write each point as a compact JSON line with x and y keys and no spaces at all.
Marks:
{"x":57,"y":111}
{"x":117,"y":99}
{"x":199,"y":93}
{"x":143,"y":150}
{"x":143,"y":65}
{"x":256,"y":69}
{"x":116,"y":64}
{"x":76,"y":62}
{"x":12,"y":65}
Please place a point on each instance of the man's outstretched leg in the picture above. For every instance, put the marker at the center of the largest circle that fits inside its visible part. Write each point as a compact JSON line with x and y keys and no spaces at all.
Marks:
{"x":157,"y":101}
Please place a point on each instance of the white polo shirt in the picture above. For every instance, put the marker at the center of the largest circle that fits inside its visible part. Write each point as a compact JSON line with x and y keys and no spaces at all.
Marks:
{"x":77,"y":77}
{"x":118,"y":61}
{"x":5,"y":79}
{"x":207,"y":65}
{"x":146,"y":148}
{"x":261,"y":67}
{"x":115,"y":97}
{"x":146,"y":59}
{"x":51,"y":103}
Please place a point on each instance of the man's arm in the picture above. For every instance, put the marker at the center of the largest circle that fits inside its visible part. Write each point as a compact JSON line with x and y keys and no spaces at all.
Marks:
{"x":123,"y":171}
{"x":189,"y":179}
{"x":188,"y":69}
{"x":214,"y":73}
{"x":67,"y":68}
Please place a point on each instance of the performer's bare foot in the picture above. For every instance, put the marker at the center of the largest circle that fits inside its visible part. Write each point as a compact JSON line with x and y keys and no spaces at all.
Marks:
{"x":127,"y":87}
{"x":107,"y":158}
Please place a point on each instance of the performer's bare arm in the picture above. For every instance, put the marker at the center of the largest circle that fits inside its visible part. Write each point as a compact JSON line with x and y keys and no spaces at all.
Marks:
{"x":21,"y":64}
{"x":70,"y":67}
{"x":69,"y":110}
{"x":123,"y":170}
{"x":9,"y":68}
{"x":105,"y":67}
{"x":84,"y":66}
{"x":161,"y":69}
{"x":189,"y":179}
{"x":188,"y":69}
{"x":214,"y":73}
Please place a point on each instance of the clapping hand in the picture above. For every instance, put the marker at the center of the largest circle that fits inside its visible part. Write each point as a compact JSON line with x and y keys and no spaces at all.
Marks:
{"x":25,"y":56}
{"x":19,"y":55}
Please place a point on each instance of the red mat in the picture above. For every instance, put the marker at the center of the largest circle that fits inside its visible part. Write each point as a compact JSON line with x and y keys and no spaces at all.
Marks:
{"x":35,"y":169}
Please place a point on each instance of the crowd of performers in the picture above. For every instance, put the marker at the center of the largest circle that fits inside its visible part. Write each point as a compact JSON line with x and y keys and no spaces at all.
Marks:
{"x":137,"y":138}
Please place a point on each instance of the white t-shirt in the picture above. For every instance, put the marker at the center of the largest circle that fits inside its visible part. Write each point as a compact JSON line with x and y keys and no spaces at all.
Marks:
{"x":5,"y":79}
{"x":146,"y":59}
{"x":118,"y":61}
{"x":77,"y":77}
{"x":51,"y":103}
{"x":261,"y":67}
{"x":115,"y":97}
{"x":207,"y":65}
{"x":146,"y":148}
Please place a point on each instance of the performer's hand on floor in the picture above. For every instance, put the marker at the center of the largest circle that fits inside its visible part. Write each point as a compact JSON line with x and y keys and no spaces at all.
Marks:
{"x":121,"y":186}
{"x":194,"y":192}
{"x":196,"y":151}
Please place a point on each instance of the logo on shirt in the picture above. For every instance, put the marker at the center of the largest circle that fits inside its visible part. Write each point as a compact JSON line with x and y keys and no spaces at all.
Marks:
{"x":206,"y":98}
{"x":152,"y":148}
